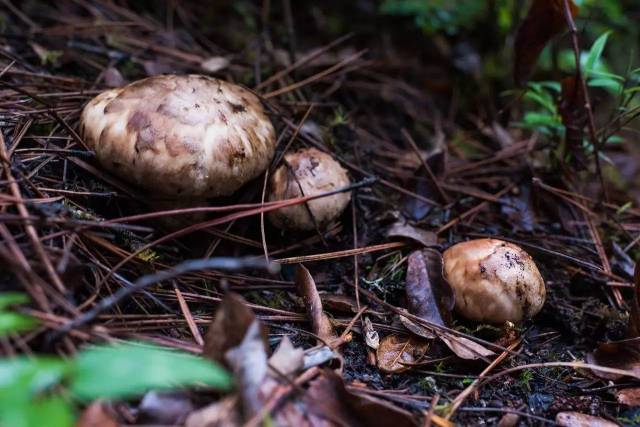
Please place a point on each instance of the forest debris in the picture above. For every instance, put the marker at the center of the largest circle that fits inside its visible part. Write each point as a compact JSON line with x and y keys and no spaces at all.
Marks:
{"x":164,"y":407}
{"x":574,"y":118}
{"x":397,"y":352}
{"x":320,"y":323}
{"x":509,"y":420}
{"x":576,"y":419}
{"x":340,"y":303}
{"x":286,"y":359}
{"x":408,"y":231}
{"x":544,"y":21}
{"x":229,"y":327}
{"x":330,"y":401}
{"x":214,"y":64}
{"x":222,"y":413}
{"x":371,"y":336}
{"x":464,"y":348}
{"x":429,"y":295}
{"x":97,"y":415}
{"x":629,"y":396}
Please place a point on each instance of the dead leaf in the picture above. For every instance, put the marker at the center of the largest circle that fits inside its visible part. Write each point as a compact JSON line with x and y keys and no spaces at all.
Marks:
{"x":572,"y":107}
{"x":229,"y":327}
{"x":464,"y":348}
{"x":328,"y":400}
{"x":576,"y":419}
{"x":407,"y":231}
{"x":371,"y":336}
{"x":287,"y":359}
{"x":219,"y":414}
{"x":629,"y":396}
{"x":164,"y":408}
{"x":545,"y":20}
{"x":421,"y":331}
{"x":397,"y":352}
{"x":97,"y":415}
{"x":249,"y":364}
{"x":429,"y":296}
{"x":623,"y":355}
{"x":320,"y":323}
{"x":340,"y":303}
{"x":214,"y":64}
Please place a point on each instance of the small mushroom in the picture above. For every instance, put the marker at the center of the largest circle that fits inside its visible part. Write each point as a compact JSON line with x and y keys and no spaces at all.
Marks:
{"x":493,"y":281}
{"x":188,"y":137}
{"x":308,"y":172}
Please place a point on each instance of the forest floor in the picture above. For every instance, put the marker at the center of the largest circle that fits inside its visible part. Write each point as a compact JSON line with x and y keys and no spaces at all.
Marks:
{"x":384,"y":108}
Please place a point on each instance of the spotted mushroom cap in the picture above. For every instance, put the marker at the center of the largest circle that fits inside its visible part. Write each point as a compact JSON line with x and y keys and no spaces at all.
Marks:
{"x":493,"y":281}
{"x":308,"y":172}
{"x":180,"y":136}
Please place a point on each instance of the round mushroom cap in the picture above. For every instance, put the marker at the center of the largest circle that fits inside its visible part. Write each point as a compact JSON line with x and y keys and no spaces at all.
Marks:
{"x":308,"y":172}
{"x":180,"y":136}
{"x":493,"y":281}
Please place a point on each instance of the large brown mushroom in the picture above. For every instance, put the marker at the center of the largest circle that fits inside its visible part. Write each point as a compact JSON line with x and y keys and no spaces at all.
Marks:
{"x":493,"y":281}
{"x":308,"y":172}
{"x":185,"y":137}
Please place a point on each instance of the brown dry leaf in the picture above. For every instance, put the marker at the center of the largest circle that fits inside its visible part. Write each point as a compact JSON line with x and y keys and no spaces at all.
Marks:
{"x":429,"y":296}
{"x":576,"y":419}
{"x":320,"y":323}
{"x":97,"y":415}
{"x":329,"y":403}
{"x":624,"y":354}
{"x":408,"y":231}
{"x":341,"y":303}
{"x":464,"y":348}
{"x":397,"y":352}
{"x":223,"y":413}
{"x":229,"y":327}
{"x":544,"y":21}
{"x":629,"y":396}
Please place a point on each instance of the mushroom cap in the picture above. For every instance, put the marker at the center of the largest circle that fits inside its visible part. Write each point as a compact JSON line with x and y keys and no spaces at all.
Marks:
{"x":308,"y":172}
{"x":493,"y":281}
{"x":180,"y":136}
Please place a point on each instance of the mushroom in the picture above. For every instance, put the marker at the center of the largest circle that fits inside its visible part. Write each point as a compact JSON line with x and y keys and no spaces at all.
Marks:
{"x":184,"y":137}
{"x":308,"y":172}
{"x":493,"y":281}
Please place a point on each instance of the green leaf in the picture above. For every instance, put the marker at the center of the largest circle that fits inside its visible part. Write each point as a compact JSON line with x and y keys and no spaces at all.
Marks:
{"x":12,"y":298}
{"x":51,"y":412}
{"x":23,"y":377}
{"x":14,"y":322}
{"x":612,"y":85}
{"x":596,"y":52}
{"x":131,"y":369}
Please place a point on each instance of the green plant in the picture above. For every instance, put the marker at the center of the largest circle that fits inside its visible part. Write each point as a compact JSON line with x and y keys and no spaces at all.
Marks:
{"x":43,"y":390}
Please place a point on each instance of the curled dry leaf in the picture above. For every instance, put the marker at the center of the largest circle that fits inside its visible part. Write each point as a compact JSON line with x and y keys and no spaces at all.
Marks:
{"x":464,"y":348}
{"x":330,"y":403}
{"x":229,"y":327}
{"x":371,"y":336}
{"x":629,"y":396}
{"x":576,"y":419}
{"x":407,"y":231}
{"x":320,"y":323}
{"x":429,"y":296}
{"x":544,"y":21}
{"x":97,"y":415}
{"x":397,"y":352}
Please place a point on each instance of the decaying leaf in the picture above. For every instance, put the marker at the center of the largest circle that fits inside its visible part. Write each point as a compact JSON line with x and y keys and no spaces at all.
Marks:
{"x":629,"y":396}
{"x":429,"y":296}
{"x":320,"y":323}
{"x":286,"y":359}
{"x":624,"y":354}
{"x":229,"y":327}
{"x":576,"y":419}
{"x":420,"y":330}
{"x":222,"y":413}
{"x":371,"y":336}
{"x":397,"y":352}
{"x":407,"y":231}
{"x":464,"y":348}
{"x":340,"y":303}
{"x":573,"y":110}
{"x":545,"y":20}
{"x":97,"y":415}
{"x":330,"y":403}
